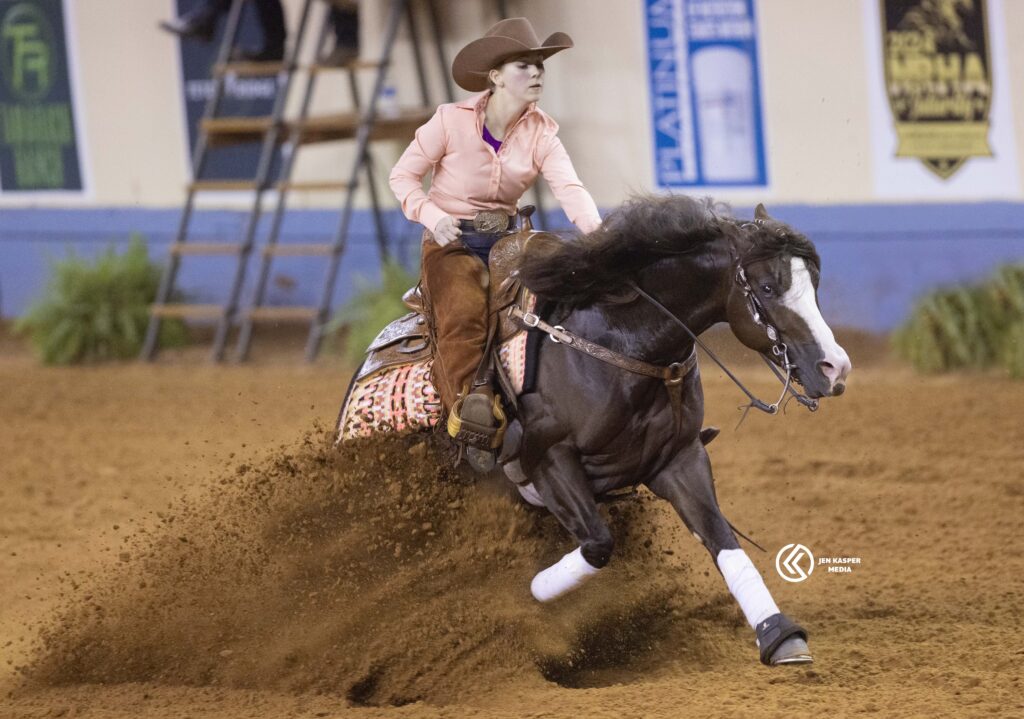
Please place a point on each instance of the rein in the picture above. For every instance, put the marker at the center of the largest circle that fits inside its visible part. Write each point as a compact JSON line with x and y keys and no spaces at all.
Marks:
{"x":779,"y":349}
{"x":672,"y":375}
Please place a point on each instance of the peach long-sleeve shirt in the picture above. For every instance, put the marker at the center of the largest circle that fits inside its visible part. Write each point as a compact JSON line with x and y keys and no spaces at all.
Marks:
{"x":469,"y":176}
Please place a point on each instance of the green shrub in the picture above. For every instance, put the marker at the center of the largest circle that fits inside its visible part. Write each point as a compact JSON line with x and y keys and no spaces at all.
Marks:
{"x":1011,"y":356}
{"x":94,"y":311}
{"x":372,"y":308}
{"x":976,"y":326}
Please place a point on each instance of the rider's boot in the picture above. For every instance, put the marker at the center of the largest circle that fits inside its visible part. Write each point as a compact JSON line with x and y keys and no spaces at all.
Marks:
{"x":477,"y":422}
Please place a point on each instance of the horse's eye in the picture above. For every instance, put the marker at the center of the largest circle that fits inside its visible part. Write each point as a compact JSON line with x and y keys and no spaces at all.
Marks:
{"x":767,"y":289}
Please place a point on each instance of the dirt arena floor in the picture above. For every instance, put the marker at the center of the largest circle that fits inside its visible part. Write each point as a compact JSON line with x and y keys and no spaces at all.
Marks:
{"x":181,"y":540}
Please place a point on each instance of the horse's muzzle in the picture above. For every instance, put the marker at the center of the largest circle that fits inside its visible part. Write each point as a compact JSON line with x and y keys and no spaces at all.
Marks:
{"x":836,"y":368}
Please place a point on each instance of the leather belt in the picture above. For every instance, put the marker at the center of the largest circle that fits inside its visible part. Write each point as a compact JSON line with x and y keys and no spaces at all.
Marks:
{"x":489,"y":222}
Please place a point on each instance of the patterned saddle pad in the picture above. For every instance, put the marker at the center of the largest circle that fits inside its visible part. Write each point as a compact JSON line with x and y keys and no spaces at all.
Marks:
{"x":402,"y":398}
{"x":393,"y":392}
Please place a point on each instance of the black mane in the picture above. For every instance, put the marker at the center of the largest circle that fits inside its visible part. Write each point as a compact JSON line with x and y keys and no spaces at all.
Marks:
{"x":645,"y":229}
{"x":580,"y":271}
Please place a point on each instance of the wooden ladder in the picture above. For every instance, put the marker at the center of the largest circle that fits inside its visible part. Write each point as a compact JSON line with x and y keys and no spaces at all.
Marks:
{"x":279,"y":135}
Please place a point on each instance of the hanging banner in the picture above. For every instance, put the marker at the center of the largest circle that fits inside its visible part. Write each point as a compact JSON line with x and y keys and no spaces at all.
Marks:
{"x":938,"y":79}
{"x":243,"y":96}
{"x":941,"y":115}
{"x":705,"y":93}
{"x":38,"y":134}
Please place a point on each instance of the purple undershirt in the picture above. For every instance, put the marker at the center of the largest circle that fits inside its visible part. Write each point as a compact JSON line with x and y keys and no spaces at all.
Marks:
{"x":489,"y":139}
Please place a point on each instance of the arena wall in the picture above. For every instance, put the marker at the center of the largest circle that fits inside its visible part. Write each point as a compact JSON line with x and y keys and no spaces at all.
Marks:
{"x":880,"y":248}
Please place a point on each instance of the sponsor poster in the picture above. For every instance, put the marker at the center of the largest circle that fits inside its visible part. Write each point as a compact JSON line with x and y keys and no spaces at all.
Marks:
{"x":705,"y":93}
{"x":243,"y":96}
{"x":941,"y":116}
{"x":39,"y":150}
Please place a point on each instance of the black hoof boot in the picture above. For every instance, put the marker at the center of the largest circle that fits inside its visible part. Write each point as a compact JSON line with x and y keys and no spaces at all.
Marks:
{"x":708,"y":434}
{"x":782,"y":641}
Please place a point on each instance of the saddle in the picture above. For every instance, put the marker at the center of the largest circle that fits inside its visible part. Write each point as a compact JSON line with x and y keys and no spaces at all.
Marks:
{"x":409,"y":338}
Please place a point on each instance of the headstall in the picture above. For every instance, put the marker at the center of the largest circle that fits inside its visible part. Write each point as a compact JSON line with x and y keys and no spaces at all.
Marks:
{"x":779,"y":349}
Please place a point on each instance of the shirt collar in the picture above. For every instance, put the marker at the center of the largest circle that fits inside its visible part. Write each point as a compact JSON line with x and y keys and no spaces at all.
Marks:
{"x":479,"y":101}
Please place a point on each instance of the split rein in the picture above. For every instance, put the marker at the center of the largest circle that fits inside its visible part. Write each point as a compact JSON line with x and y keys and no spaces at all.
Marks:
{"x":673,"y":374}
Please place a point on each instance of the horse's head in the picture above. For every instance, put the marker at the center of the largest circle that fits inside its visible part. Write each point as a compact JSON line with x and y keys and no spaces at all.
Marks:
{"x":773,"y":304}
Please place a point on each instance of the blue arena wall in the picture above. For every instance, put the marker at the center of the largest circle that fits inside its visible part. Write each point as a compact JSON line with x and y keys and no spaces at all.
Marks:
{"x":877,"y":258}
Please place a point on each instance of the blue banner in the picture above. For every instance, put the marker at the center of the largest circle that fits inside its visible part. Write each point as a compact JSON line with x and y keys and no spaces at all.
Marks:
{"x":705,"y":93}
{"x":243,"y":96}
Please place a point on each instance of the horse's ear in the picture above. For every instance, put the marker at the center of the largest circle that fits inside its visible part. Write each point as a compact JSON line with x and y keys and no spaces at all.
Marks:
{"x":760,"y":213}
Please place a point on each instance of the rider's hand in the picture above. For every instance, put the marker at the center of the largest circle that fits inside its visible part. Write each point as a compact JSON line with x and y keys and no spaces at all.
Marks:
{"x":447,"y":230}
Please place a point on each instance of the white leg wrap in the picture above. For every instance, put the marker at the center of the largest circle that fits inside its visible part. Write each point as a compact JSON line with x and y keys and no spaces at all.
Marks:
{"x":746,"y":585}
{"x":564,"y":575}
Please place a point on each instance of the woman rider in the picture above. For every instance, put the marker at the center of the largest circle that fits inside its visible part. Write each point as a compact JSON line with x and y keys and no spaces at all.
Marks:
{"x":485,"y":152}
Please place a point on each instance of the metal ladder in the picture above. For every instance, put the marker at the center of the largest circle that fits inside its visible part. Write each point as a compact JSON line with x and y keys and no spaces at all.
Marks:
{"x":363,"y":126}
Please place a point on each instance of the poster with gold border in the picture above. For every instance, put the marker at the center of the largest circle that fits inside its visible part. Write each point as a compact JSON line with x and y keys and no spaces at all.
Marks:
{"x":941,"y":114}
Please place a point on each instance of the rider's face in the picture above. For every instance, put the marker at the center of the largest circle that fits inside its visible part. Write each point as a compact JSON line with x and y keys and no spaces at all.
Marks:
{"x":522,"y":78}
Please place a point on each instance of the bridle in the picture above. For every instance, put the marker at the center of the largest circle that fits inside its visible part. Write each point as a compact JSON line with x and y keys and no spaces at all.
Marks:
{"x":760,"y":316}
{"x":673,"y":374}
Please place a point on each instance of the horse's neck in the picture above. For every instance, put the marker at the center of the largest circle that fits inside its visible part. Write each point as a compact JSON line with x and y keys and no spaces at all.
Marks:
{"x":695,"y":288}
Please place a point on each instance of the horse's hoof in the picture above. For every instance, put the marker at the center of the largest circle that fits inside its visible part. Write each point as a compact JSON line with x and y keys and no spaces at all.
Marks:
{"x":782,"y":641}
{"x":792,"y":651}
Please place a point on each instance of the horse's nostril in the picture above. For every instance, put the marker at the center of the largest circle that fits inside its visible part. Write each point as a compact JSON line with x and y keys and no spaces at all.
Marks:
{"x":828,"y":369}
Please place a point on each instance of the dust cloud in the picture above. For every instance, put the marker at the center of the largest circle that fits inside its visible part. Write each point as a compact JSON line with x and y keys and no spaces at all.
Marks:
{"x":375,"y":571}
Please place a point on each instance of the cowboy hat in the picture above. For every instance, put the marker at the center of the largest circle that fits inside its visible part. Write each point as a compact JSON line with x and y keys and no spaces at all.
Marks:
{"x":508,"y":38}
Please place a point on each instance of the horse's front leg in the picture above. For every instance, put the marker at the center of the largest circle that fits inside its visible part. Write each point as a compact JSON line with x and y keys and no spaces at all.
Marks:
{"x":562,"y":484}
{"x":688,"y":484}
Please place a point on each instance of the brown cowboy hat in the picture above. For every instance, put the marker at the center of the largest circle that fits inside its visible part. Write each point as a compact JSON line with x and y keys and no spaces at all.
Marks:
{"x":508,"y":38}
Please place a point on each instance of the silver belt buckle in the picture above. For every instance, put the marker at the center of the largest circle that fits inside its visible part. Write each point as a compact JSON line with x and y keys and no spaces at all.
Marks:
{"x":488,"y":221}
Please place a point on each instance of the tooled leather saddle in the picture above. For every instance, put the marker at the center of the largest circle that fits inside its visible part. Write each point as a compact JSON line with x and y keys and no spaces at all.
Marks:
{"x":409,"y":339}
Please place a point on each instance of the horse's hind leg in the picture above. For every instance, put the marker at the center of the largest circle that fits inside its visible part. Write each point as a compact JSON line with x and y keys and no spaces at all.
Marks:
{"x":689,"y":486}
{"x":562,"y":485}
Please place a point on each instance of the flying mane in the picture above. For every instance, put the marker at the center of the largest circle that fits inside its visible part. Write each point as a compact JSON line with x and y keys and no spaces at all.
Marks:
{"x":645,"y":229}
{"x":578,"y":272}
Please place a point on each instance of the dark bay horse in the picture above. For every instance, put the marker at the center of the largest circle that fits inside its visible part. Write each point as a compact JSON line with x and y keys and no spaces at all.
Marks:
{"x":590,"y":427}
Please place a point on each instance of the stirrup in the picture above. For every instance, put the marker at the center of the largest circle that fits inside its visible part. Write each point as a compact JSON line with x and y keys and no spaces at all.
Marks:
{"x":477,"y":421}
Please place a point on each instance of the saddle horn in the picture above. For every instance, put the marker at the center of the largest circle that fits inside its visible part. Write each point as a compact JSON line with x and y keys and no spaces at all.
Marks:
{"x":525,"y":212}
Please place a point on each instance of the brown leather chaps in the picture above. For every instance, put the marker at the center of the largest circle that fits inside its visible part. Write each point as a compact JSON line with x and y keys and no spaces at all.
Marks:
{"x":455,"y":284}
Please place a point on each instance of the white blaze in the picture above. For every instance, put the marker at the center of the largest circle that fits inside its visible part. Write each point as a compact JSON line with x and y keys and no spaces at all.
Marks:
{"x":800,"y":298}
